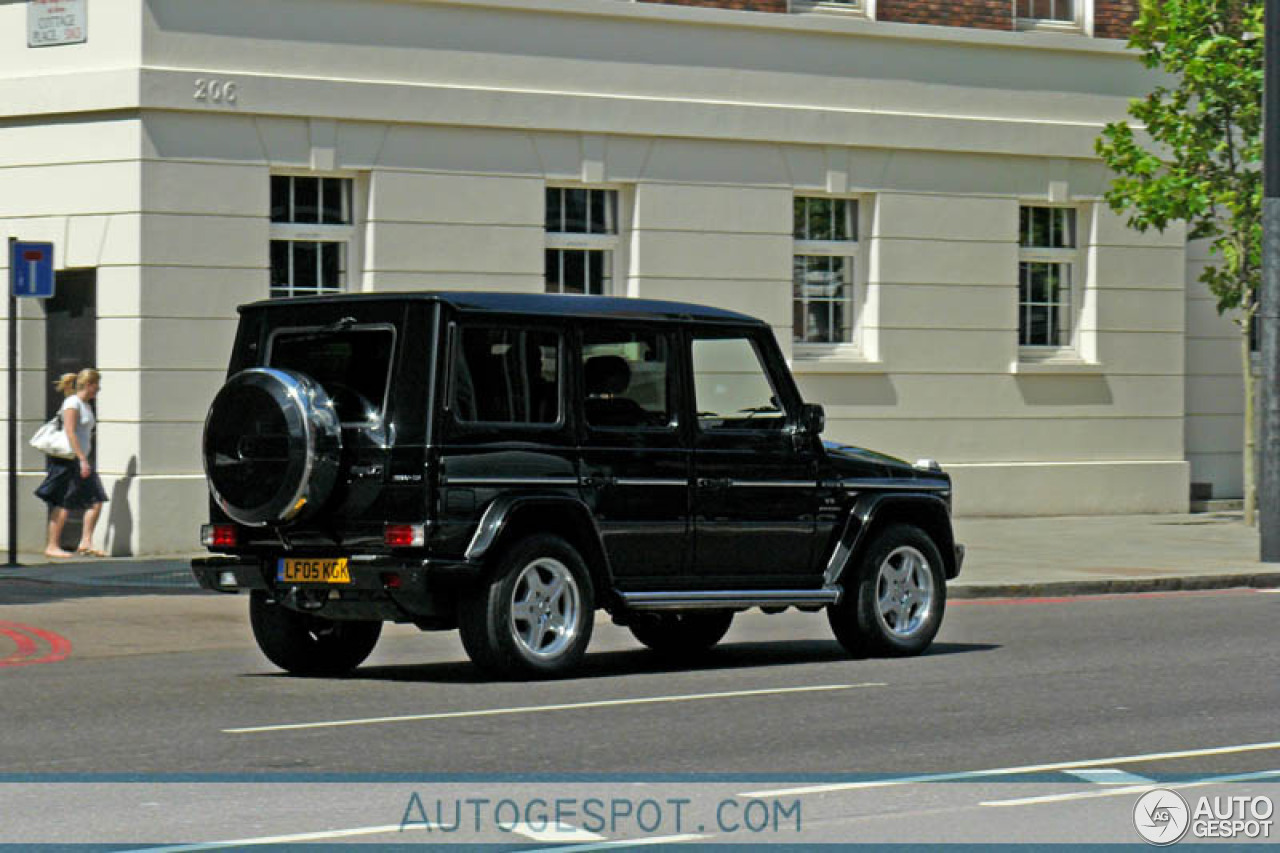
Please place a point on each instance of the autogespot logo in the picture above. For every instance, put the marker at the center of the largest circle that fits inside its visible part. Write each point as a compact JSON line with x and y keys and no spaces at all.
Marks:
{"x":1161,"y":816}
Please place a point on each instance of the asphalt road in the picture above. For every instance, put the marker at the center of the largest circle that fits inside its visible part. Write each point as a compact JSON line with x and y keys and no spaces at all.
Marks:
{"x":1078,"y":703}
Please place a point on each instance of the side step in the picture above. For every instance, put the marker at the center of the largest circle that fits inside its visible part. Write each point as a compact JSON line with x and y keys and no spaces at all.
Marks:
{"x":719,"y":599}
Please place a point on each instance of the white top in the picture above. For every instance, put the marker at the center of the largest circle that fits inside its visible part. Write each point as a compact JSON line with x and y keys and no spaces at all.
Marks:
{"x":84,"y":424}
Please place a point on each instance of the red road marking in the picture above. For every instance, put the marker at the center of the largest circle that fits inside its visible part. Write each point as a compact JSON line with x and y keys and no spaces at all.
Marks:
{"x":26,"y":637}
{"x":1114,"y":596}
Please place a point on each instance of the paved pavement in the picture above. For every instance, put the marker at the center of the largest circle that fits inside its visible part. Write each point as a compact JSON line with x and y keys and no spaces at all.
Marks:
{"x":1006,"y":557}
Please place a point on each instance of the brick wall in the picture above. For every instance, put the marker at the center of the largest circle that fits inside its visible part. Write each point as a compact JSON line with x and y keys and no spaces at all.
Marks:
{"x":978,"y":14}
{"x":746,"y":5}
{"x":1112,"y":18}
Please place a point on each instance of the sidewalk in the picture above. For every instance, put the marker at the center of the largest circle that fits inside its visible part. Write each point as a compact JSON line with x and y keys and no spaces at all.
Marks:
{"x":1006,"y":557}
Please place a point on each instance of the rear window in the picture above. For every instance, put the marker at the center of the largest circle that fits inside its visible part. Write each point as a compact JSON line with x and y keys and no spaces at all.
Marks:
{"x":353,"y":365}
{"x":506,"y":376}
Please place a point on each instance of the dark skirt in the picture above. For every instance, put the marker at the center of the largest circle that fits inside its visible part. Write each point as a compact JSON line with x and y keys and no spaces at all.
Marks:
{"x":64,"y":487}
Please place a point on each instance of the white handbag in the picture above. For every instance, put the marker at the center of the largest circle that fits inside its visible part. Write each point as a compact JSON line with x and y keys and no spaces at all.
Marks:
{"x":52,"y":439}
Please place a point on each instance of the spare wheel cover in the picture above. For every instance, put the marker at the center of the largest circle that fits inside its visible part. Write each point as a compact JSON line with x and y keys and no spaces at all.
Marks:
{"x":272,"y":444}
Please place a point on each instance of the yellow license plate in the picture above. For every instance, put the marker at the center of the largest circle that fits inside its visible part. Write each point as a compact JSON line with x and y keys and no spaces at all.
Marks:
{"x":313,"y":570}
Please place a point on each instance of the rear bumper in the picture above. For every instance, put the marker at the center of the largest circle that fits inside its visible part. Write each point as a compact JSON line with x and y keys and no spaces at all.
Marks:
{"x":387,"y":588}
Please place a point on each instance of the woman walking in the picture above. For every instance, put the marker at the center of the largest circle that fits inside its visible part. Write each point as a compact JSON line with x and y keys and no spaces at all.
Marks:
{"x":72,"y":484}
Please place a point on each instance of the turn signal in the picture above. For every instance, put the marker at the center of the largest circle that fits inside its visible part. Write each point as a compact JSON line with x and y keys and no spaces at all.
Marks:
{"x":219,"y":536}
{"x":404,"y":535}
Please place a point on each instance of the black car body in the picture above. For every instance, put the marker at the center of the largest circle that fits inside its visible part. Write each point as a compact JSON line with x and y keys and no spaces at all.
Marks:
{"x":509,"y":463}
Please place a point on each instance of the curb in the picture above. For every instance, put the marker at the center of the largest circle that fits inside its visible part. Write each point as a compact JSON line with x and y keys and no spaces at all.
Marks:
{"x":1125,"y":586}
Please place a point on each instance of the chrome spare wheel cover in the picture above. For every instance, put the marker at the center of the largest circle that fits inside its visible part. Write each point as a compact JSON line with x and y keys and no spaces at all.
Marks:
{"x":904,"y":592}
{"x":545,"y":608}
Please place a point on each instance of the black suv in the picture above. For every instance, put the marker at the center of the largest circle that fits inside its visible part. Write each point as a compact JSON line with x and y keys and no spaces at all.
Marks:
{"x":507,"y":464}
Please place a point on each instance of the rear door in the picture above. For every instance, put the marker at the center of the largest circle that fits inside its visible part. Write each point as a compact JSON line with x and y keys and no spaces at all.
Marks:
{"x":755,"y":487}
{"x":635,"y":463}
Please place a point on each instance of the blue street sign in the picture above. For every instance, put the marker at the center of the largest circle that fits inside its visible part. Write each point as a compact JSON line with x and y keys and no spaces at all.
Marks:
{"x":31,"y":270}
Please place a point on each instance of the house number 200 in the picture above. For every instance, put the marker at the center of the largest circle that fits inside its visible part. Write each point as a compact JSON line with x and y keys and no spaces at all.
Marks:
{"x":216,"y":91}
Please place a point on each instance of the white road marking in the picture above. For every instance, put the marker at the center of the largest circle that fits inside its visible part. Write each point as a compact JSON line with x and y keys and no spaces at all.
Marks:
{"x":537,"y":709}
{"x":1133,"y":789}
{"x":297,"y":838}
{"x":1014,"y":771}
{"x":614,"y":845}
{"x":1111,"y":776}
{"x":555,"y":832}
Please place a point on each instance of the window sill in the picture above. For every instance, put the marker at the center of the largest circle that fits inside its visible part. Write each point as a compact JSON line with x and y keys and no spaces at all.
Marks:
{"x":1057,"y":365}
{"x":838,"y":363}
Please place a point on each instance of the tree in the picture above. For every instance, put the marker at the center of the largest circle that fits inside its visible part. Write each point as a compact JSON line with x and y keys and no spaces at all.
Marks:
{"x":1200,"y":160}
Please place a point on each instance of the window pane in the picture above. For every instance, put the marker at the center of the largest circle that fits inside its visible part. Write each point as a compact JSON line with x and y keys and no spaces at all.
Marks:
{"x":351,"y":365}
{"x":280,"y":187}
{"x":575,"y":271}
{"x":575,"y":207}
{"x":1047,"y":227}
{"x":822,"y":290}
{"x":305,"y":266}
{"x":625,"y":377}
{"x":731,"y":388}
{"x":330,"y":266}
{"x":800,"y":218}
{"x":555,"y":209}
{"x":335,"y":207}
{"x":507,"y":376}
{"x":306,"y":199}
{"x":279,"y":264}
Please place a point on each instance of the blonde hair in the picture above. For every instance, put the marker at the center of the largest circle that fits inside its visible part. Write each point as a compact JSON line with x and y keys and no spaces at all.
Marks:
{"x":69,"y":383}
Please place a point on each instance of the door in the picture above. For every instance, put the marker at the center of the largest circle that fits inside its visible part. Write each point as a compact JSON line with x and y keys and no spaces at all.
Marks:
{"x":635,"y":463}
{"x":71,"y":330}
{"x":755,"y":496}
{"x":71,"y":345}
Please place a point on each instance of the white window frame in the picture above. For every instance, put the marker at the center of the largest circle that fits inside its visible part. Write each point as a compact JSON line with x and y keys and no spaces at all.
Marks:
{"x":1073,"y":259}
{"x":343,"y":234}
{"x":852,"y":252}
{"x":611,"y":243}
{"x":855,"y":8}
{"x":1081,"y":22}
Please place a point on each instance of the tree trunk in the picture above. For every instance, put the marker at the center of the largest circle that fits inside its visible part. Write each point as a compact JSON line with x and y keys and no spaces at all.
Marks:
{"x":1250,"y":448}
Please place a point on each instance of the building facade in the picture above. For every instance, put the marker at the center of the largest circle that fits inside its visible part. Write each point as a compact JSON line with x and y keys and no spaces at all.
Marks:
{"x":909,"y":196}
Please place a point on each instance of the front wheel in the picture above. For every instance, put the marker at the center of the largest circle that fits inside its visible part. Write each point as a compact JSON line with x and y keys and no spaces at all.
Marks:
{"x":307,"y":644}
{"x":681,"y":633}
{"x":533,"y":616}
{"x":895,"y":604}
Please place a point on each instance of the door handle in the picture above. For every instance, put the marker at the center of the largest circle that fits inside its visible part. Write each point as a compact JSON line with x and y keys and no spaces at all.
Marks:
{"x":710,"y":483}
{"x":599,"y":482}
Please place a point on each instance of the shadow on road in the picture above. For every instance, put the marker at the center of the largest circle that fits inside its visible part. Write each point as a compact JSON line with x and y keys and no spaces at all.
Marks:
{"x":728,"y":656}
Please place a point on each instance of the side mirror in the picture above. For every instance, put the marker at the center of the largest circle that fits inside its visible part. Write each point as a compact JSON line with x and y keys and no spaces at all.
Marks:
{"x":813,"y":419}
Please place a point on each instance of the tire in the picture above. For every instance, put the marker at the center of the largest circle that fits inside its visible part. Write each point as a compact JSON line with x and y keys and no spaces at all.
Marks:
{"x":272,"y":446}
{"x":681,"y":632}
{"x":895,"y":605}
{"x":533,"y":616}
{"x":306,"y":644}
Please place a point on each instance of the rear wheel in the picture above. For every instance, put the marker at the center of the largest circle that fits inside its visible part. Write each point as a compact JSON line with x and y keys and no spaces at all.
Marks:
{"x":681,"y":632}
{"x":894,"y":604}
{"x":307,"y":644}
{"x":534,"y":615}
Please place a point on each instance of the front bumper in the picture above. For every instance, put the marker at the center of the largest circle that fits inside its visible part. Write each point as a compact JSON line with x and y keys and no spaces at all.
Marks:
{"x":388,"y":588}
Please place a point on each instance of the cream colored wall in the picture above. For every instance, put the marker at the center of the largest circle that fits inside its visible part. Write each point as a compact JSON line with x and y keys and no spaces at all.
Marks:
{"x":452,"y":116}
{"x":1215,"y":386}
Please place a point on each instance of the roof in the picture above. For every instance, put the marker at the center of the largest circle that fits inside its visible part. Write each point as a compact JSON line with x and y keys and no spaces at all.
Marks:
{"x":544,"y":304}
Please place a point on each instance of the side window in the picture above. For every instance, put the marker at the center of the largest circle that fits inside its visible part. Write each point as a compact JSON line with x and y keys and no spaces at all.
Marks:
{"x":625,"y":379}
{"x":731,"y":386}
{"x":506,"y":376}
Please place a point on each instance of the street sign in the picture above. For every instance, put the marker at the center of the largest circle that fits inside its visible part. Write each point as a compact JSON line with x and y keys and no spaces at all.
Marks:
{"x":31,"y":270}
{"x":54,"y":22}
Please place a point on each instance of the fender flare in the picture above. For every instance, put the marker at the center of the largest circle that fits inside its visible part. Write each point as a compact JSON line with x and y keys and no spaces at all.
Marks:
{"x":504,"y":513}
{"x":861,"y":525}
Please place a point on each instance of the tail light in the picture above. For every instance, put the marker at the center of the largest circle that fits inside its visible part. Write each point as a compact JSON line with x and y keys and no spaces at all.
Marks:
{"x":404,"y":535}
{"x":219,"y":535}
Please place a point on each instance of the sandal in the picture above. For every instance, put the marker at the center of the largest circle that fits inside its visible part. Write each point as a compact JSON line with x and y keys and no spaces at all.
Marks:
{"x":90,"y":552}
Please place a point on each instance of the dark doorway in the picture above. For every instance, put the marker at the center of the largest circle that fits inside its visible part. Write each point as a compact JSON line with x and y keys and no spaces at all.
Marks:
{"x":71,"y":330}
{"x":71,"y":345}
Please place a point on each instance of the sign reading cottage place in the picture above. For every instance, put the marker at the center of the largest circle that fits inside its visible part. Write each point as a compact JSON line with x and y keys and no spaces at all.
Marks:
{"x":54,"y":22}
